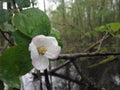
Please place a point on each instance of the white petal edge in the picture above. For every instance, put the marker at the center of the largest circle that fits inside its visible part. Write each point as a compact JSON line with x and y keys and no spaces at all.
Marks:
{"x":46,"y":41}
{"x":52,"y":40}
{"x":39,"y":40}
{"x":53,"y":52}
{"x":33,"y":51}
{"x":41,"y":63}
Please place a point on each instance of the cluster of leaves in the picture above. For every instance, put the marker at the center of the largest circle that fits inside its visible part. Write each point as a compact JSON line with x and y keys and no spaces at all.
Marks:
{"x":79,"y":18}
{"x":24,"y":25}
{"x":112,"y":28}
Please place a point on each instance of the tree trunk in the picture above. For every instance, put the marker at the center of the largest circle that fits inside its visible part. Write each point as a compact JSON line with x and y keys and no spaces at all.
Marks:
{"x":44,"y":3}
{"x":63,"y":11}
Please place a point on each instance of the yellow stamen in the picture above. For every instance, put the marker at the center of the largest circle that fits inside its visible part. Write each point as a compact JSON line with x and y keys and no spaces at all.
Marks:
{"x":42,"y":50}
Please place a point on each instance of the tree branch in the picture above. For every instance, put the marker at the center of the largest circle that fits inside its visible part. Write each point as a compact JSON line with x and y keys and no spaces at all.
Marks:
{"x":47,"y":80}
{"x":78,"y":55}
{"x":73,"y":57}
{"x":60,"y":66}
{"x":84,"y":78}
{"x":101,"y":41}
{"x":66,"y":78}
{"x":12,"y":44}
{"x":63,"y":77}
{"x":108,"y":59}
{"x":95,"y":44}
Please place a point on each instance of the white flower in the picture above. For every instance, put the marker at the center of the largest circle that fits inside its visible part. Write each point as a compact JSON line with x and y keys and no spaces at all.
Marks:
{"x":41,"y":48}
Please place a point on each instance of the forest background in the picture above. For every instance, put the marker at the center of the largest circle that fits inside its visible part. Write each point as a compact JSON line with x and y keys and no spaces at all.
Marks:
{"x":89,"y":27}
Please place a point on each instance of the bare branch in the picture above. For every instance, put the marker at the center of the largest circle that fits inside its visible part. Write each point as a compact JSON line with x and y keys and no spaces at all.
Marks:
{"x":60,"y":66}
{"x":95,"y":44}
{"x":101,"y":41}
{"x":11,"y":43}
{"x":66,"y":78}
{"x":107,"y":60}
{"x":47,"y":80}
{"x":78,"y":55}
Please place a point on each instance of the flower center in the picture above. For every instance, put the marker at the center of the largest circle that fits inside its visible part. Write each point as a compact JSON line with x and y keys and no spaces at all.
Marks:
{"x":42,"y":50}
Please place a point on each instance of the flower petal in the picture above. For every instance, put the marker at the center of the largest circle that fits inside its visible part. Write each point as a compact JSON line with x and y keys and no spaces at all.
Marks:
{"x":39,"y":40}
{"x":40,"y":63}
{"x":45,"y":41}
{"x":51,"y":40}
{"x":33,"y":51}
{"x":53,"y":51}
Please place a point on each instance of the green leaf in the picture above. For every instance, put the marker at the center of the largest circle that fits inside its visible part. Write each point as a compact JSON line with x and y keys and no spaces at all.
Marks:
{"x":5,"y":0}
{"x":8,"y":27}
{"x":55,"y":33}
{"x":4,"y":16}
{"x":23,"y":3}
{"x":103,"y":88}
{"x":20,"y":38}
{"x":104,"y":49}
{"x":118,"y":35}
{"x":14,"y":62}
{"x":32,"y":22}
{"x":111,"y":28}
{"x":101,"y":29}
{"x":114,"y":26}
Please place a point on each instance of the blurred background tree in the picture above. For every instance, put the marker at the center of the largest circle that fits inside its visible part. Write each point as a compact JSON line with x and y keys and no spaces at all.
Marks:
{"x":89,"y":26}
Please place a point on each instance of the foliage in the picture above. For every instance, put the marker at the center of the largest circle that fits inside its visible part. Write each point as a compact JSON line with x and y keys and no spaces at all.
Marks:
{"x":4,"y":14}
{"x":23,"y":24}
{"x":23,"y":3}
{"x":82,"y":19}
{"x":32,"y":22}
{"x":112,"y":28}
{"x":20,"y":38}
{"x":5,"y":0}
{"x":55,"y":33}
{"x":81,"y":23}
{"x":14,"y":62}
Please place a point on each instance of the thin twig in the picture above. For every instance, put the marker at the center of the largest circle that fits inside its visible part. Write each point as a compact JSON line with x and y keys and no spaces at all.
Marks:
{"x":101,"y":41}
{"x":66,"y":78}
{"x":40,"y":78}
{"x":47,"y":80}
{"x":95,"y":44}
{"x":107,"y":60}
{"x":83,"y":76}
{"x":62,"y":77}
{"x":60,"y":66}
{"x":12,"y":44}
{"x":76,"y":67}
{"x":41,"y":88}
